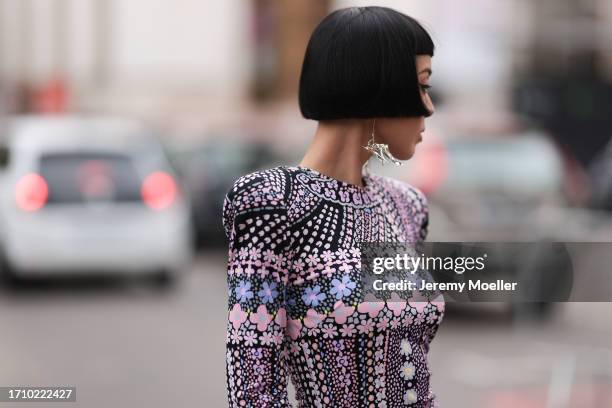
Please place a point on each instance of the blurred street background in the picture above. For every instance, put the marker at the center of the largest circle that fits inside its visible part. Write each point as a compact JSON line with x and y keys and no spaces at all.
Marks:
{"x":124,"y":123}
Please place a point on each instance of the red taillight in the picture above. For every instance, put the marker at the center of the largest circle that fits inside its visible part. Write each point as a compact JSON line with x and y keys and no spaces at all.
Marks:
{"x":158,"y":190}
{"x":431,"y":167}
{"x":31,"y":192}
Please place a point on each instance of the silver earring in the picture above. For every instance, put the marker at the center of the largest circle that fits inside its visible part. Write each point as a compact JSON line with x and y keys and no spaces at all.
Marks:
{"x":381,"y":150}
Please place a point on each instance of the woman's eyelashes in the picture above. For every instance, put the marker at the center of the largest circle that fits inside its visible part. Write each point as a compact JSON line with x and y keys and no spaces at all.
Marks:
{"x":425,"y":87}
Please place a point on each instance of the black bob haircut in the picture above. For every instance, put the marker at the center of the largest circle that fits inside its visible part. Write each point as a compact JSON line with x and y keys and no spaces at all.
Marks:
{"x":360,"y":62}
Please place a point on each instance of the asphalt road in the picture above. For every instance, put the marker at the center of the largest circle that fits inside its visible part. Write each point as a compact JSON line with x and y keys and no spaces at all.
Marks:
{"x":123,"y":344}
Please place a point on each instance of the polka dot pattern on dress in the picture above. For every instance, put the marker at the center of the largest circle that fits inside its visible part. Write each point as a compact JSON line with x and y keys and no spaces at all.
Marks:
{"x":294,"y":291}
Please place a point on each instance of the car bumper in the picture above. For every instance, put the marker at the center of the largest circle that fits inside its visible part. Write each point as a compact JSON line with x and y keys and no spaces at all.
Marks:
{"x":134,"y":253}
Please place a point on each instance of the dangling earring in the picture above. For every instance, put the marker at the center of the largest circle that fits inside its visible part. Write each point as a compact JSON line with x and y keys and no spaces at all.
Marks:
{"x":381,"y":150}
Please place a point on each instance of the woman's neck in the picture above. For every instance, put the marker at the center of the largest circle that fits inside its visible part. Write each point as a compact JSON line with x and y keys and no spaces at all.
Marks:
{"x":336,"y":149}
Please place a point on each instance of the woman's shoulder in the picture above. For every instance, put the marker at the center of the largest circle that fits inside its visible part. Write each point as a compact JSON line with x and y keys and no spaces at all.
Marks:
{"x":261,"y":193}
{"x":261,"y":187}
{"x":408,"y":192}
{"x":411,"y":203}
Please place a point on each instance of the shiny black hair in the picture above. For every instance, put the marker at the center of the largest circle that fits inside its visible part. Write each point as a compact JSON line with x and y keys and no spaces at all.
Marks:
{"x":360,"y":62}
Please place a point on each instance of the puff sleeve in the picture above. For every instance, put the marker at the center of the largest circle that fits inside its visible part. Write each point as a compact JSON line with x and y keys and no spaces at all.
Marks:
{"x":257,"y":226}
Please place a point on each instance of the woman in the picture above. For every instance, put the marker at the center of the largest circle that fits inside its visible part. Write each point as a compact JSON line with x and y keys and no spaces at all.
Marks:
{"x":295,"y":305}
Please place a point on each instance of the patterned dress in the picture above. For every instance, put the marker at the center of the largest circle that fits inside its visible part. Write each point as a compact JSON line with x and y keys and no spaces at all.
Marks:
{"x":293,"y":278}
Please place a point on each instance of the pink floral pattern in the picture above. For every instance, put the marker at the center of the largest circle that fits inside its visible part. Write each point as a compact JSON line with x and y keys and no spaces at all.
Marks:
{"x":294,"y":293}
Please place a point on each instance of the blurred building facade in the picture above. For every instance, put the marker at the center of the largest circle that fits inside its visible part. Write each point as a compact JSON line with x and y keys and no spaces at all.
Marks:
{"x":198,"y":63}
{"x":144,"y":57}
{"x":564,"y":83}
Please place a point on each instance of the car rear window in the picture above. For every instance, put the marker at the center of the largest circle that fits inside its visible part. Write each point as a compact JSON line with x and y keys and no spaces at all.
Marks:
{"x":90,"y":177}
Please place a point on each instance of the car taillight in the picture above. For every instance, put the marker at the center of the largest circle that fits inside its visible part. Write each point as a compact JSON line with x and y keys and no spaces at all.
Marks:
{"x":31,"y":192}
{"x":431,"y":167}
{"x":158,"y":190}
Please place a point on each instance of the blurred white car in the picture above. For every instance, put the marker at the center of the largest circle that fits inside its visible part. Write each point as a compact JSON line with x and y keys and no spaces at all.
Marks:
{"x":89,"y":194}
